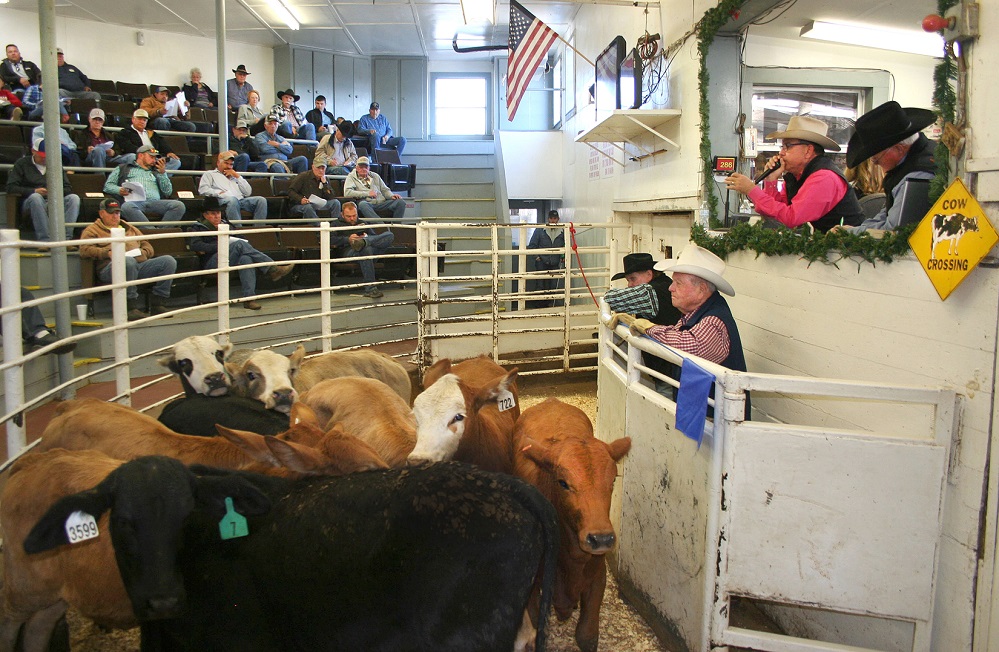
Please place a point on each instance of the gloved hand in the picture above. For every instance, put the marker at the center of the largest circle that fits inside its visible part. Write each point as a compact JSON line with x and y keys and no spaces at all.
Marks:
{"x":620,"y":318}
{"x":639,"y":326}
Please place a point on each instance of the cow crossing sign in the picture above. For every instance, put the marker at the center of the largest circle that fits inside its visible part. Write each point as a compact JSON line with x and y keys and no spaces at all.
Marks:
{"x":952,"y":238}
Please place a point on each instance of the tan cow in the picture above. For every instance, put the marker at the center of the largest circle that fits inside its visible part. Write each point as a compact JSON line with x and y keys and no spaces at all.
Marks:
{"x":558,"y":454}
{"x":366,"y":363}
{"x":265,"y":376}
{"x":467,"y":413}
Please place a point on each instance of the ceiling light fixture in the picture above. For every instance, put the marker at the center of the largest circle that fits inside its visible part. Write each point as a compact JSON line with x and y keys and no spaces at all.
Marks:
{"x":284,"y":13}
{"x":478,"y":11}
{"x":899,"y":40}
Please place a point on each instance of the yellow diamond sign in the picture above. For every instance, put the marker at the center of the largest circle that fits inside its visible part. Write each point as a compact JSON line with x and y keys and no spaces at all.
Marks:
{"x":952,"y":239}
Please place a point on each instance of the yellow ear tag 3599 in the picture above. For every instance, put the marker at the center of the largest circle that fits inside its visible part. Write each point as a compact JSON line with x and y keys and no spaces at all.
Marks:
{"x":233,"y":525}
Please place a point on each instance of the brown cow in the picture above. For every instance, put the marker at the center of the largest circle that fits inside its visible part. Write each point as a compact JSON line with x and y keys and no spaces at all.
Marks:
{"x":558,"y":454}
{"x":367,"y":409}
{"x":467,"y":413}
{"x":365,"y":363}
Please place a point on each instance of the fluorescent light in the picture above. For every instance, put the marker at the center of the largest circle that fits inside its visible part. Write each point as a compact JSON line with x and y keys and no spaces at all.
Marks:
{"x":284,"y":13}
{"x":478,"y":11}
{"x":900,"y":40}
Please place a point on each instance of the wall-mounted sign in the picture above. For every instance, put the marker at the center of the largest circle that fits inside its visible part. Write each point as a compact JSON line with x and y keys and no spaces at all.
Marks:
{"x":952,"y":238}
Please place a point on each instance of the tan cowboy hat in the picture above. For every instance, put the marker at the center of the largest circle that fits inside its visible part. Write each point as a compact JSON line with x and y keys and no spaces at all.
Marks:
{"x":701,"y":263}
{"x":809,"y":129}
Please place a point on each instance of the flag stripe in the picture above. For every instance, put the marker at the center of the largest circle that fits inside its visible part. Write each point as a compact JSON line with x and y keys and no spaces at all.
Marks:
{"x":530,"y":40}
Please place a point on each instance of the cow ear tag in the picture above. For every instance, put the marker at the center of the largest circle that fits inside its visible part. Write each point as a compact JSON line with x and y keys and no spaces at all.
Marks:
{"x":233,"y":524}
{"x":81,"y":526}
{"x":505,"y":400}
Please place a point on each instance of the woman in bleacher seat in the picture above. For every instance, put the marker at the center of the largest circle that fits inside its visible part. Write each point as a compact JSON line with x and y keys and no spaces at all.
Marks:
{"x":198,"y":94}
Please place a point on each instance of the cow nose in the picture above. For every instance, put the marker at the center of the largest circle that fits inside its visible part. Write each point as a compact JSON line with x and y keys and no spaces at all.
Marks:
{"x":217,"y":379}
{"x":284,"y":396}
{"x":600,"y":541}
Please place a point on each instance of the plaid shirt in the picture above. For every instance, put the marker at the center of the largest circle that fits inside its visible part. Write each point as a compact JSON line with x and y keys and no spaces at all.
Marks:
{"x":641,"y":300}
{"x":707,"y":338}
{"x":157,"y":186}
{"x":32,"y":96}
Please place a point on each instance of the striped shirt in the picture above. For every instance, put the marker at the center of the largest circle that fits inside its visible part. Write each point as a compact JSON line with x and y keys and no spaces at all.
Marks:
{"x":707,"y":338}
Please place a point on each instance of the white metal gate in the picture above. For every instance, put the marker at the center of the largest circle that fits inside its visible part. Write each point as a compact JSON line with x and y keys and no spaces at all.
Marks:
{"x":840,"y":521}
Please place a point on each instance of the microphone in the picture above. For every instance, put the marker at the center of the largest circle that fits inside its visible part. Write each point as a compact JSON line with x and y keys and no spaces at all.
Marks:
{"x":766,"y":173}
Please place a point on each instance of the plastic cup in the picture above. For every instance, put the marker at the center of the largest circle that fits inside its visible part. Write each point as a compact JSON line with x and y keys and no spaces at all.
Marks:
{"x":81,"y":311}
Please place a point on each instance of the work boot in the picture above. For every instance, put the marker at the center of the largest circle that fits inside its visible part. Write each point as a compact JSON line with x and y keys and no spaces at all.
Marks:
{"x":251,"y":305}
{"x":358,"y":244}
{"x":279,"y":271}
{"x":134,"y":312}
{"x":158,"y":305}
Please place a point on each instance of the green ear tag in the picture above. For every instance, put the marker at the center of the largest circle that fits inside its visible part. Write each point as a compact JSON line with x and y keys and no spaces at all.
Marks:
{"x":233,"y":525}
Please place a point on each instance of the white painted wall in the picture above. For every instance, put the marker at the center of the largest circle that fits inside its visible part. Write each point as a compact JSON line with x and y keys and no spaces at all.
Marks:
{"x":164,"y":59}
{"x":532,"y":164}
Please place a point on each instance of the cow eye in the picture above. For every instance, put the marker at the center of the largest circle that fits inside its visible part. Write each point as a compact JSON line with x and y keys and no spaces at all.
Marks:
{"x":185,"y":366}
{"x":562,"y":483}
{"x":219,"y":355}
{"x":251,"y":375}
{"x":457,"y":418}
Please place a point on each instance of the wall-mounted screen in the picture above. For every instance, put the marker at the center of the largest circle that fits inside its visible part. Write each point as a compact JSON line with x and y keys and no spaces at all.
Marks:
{"x":607,"y":92}
{"x":631,"y":81}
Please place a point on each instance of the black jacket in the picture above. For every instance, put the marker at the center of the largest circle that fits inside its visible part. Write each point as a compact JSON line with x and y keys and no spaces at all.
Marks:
{"x":128,"y":140}
{"x":24,"y":178}
{"x":847,"y":211}
{"x":11,"y":78}
{"x":191,"y":94}
{"x":316,"y":118}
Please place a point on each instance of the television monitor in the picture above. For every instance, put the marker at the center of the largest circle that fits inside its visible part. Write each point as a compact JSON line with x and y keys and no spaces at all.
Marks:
{"x":608,"y":78}
{"x":631,"y":81}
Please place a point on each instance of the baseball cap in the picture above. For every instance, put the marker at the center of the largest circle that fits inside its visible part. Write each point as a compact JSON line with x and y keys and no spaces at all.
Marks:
{"x":242,"y":124}
{"x":110,"y":205}
{"x":140,"y":113}
{"x":320,"y":162}
{"x":146,"y":148}
{"x":161,"y":89}
{"x":96,"y":113}
{"x":363,"y":161}
{"x":39,"y":146}
{"x":374,"y":105}
{"x":228,"y":156}
{"x":272,"y":118}
{"x":59,"y":51}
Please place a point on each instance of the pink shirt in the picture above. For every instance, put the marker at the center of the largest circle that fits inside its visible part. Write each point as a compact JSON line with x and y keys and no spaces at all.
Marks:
{"x":822,"y":190}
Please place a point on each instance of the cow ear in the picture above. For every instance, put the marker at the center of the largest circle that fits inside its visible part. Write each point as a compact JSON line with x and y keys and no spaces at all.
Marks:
{"x":537,"y":453}
{"x":619,"y":448}
{"x":491,"y":392}
{"x":298,"y":458}
{"x":50,"y":530}
{"x":433,"y":374}
{"x":226,"y":350}
{"x":296,"y":358}
{"x":210,"y":493}
{"x":170,"y":362}
{"x":302,"y":412}
{"x":249,"y":442}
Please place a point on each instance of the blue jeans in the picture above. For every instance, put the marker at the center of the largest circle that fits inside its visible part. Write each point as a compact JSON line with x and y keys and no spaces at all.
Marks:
{"x":166,"y":124}
{"x":171,"y":210}
{"x":98,"y":158}
{"x":242,"y":163}
{"x":305,"y":132}
{"x":256,"y":205}
{"x":36,"y":206}
{"x":308,"y":211}
{"x":242,"y":253}
{"x":377,"y":244}
{"x":397,"y":143}
{"x":388,"y":208}
{"x":298,"y":164}
{"x":158,"y":266}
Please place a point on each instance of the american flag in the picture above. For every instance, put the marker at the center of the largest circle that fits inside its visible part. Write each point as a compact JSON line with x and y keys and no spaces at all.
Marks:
{"x":530,"y":40}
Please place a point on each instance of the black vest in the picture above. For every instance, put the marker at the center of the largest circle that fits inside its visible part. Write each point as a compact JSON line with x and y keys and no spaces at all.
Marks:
{"x":668,"y":314}
{"x":848,"y":209}
{"x":918,"y":159}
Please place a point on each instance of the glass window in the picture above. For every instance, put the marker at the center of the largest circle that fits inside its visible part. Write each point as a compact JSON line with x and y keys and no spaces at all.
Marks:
{"x":461,"y":105}
{"x":773,"y":107}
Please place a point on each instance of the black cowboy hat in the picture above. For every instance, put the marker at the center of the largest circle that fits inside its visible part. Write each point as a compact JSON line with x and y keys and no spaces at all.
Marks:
{"x":210,"y":204}
{"x":288,"y":92}
{"x":240,"y":68}
{"x":884,"y":126}
{"x":635,"y":263}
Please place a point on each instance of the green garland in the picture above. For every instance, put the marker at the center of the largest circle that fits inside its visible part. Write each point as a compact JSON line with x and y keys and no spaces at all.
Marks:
{"x":828,"y":248}
{"x":945,"y":101}
{"x":712,"y":20}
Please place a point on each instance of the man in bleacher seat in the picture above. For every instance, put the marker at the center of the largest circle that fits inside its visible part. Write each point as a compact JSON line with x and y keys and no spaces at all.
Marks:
{"x":130,"y":139}
{"x":357,"y":239}
{"x":309,"y":184}
{"x":272,"y":145}
{"x":339,"y":152}
{"x":140,"y":259}
{"x":27,"y":180}
{"x":247,"y":155}
{"x":95,"y":144}
{"x":373,"y":197}
{"x":231,"y":189}
{"x":155,"y":106}
{"x":149,"y":171}
{"x":241,"y":252}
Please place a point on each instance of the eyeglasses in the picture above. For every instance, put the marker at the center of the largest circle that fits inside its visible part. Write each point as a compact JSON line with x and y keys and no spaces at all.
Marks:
{"x":786,"y":146}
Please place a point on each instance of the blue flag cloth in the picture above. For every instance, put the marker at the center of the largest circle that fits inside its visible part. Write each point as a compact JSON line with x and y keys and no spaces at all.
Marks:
{"x":692,"y":400}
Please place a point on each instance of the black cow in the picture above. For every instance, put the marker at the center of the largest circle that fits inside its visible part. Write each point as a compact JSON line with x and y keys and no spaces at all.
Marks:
{"x":436,"y":558}
{"x":197,"y":414}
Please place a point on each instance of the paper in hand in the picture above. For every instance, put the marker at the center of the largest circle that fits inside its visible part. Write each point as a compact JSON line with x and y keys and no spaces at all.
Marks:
{"x":317,"y":201}
{"x":136,"y":191}
{"x":133,"y":253}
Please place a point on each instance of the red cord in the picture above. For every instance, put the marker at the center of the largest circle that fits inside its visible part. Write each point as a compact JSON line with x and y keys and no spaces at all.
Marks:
{"x":579,"y":263}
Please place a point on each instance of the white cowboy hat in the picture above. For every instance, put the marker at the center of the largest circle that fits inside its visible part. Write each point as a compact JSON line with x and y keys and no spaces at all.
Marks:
{"x":701,"y":263}
{"x":812,"y":130}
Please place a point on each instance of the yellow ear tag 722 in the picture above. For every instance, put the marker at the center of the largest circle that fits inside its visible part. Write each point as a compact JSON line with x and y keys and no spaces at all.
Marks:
{"x":233,"y":525}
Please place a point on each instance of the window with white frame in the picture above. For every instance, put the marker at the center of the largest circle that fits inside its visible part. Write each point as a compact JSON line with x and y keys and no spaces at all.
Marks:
{"x":460,"y":104}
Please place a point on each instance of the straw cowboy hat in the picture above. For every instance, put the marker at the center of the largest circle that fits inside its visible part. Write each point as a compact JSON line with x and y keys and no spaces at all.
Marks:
{"x":698,"y":261}
{"x":884,"y":126}
{"x":809,"y":129}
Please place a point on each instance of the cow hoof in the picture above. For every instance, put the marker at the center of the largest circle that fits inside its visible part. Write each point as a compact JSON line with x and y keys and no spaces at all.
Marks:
{"x":588,"y":644}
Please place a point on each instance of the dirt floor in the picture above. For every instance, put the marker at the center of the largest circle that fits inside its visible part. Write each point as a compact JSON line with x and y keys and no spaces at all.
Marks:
{"x":621,"y":629}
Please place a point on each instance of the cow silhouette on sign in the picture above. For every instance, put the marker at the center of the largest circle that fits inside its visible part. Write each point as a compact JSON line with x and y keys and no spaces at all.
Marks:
{"x":952,"y":227}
